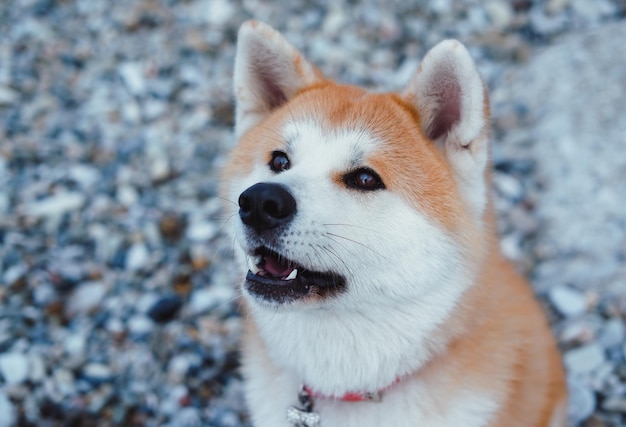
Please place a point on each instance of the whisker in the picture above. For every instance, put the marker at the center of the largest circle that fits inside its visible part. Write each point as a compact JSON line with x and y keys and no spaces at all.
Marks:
{"x":351,"y":251}
{"x":228,"y":200}
{"x":336,"y":255}
{"x":353,"y":241}
{"x":351,"y":225}
{"x":225,"y":303}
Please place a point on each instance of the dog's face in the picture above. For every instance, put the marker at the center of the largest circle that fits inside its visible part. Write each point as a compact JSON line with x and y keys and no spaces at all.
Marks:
{"x":346,"y":198}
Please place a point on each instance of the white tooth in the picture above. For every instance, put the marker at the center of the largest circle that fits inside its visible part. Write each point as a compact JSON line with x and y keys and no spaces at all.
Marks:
{"x":252,"y":265}
{"x":292,"y":275}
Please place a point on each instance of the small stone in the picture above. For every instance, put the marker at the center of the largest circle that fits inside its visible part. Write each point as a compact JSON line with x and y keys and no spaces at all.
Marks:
{"x":7,"y":411}
{"x":75,"y":346}
{"x":593,"y":11}
{"x":556,"y":6}
{"x":226,"y":417}
{"x":201,"y":231}
{"x":56,"y":205}
{"x":170,"y":404}
{"x":568,"y":301}
{"x":547,"y":25}
{"x":5,"y":202}
{"x":171,"y":227}
{"x":440,"y":6}
{"x":581,"y":401}
{"x":86,"y":176}
{"x":523,"y":220}
{"x":578,"y":332}
{"x":97,"y":373}
{"x":36,"y":368}
{"x":64,"y":380}
{"x":44,"y":294}
{"x":180,"y":364}
{"x":14,"y":274}
{"x":511,"y":246}
{"x":500,"y":13}
{"x":127,"y":195}
{"x":200,"y":256}
{"x":584,"y":359}
{"x":140,"y":325}
{"x":146,"y":301}
{"x":115,"y":326}
{"x":8,"y":96}
{"x":107,"y":242}
{"x":206,"y":299}
{"x":612,"y":333}
{"x":334,"y":22}
{"x":188,"y":417}
{"x":99,"y":398}
{"x":165,"y":309}
{"x":132,"y":75}
{"x":131,"y":112}
{"x":218,"y":12}
{"x":153,"y":109}
{"x":615,"y":404}
{"x":86,"y":298}
{"x":14,"y":367}
{"x":137,"y":257}
{"x":508,"y":186}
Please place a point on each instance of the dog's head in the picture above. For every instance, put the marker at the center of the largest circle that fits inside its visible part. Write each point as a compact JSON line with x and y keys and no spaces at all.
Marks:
{"x":346,"y":198}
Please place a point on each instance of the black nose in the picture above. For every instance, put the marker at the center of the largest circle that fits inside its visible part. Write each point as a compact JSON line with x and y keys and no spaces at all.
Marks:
{"x":265,"y":206}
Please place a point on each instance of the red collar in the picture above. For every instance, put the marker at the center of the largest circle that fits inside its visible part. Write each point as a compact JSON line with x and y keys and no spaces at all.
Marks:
{"x":376,"y":396}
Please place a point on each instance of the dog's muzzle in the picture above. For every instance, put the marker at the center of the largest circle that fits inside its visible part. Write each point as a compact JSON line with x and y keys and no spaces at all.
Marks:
{"x":266,"y":209}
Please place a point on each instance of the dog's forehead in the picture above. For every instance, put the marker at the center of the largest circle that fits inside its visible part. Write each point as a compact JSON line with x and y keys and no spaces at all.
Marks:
{"x":333,"y":146}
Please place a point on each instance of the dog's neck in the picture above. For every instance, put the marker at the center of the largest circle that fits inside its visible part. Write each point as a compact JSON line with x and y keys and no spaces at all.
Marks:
{"x":352,"y":396}
{"x":335,"y":353}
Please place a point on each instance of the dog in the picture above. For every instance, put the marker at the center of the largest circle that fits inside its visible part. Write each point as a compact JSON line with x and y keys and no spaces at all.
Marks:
{"x":375,"y":292}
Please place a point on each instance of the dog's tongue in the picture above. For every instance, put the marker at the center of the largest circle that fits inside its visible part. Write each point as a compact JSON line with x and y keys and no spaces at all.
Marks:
{"x":277,"y":268}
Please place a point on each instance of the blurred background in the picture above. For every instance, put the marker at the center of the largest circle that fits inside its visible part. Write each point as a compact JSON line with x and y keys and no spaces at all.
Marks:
{"x":117,"y":302}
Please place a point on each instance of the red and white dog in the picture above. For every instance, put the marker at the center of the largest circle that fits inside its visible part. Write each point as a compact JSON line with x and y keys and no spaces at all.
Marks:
{"x":376,"y":294}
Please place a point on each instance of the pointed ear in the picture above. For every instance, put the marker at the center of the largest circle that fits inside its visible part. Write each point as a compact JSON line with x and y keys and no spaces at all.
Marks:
{"x":268,"y":72}
{"x":452,"y":104}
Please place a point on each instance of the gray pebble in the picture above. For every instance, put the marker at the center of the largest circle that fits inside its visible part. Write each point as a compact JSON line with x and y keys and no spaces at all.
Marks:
{"x":613,"y":333}
{"x":201,"y":230}
{"x":87,"y":297}
{"x":615,"y":404}
{"x":568,"y":301}
{"x":137,"y":257}
{"x":56,"y":205}
{"x":132,"y":75}
{"x":584,"y":359}
{"x":97,"y":373}
{"x":14,"y":367}
{"x":582,"y":401}
{"x":140,"y":325}
{"x":7,"y":411}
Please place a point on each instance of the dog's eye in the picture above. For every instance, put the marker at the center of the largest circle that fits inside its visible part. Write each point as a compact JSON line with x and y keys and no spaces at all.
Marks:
{"x":280,"y":162}
{"x":363,"y":179}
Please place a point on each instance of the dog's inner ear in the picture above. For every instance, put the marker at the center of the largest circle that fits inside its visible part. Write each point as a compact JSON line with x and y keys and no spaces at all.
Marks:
{"x":448,"y":94}
{"x":268,"y":73}
{"x":272,"y":93}
{"x":445,"y":99}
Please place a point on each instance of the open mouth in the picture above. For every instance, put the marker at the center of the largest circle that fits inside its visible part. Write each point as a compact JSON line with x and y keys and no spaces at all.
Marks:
{"x":275,"y":278}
